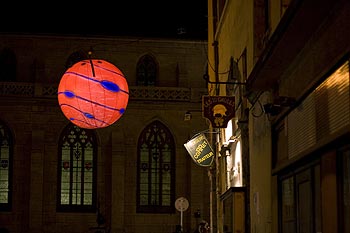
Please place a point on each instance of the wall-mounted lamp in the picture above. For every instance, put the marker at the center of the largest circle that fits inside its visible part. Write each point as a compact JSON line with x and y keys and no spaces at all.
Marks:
{"x":225,"y":150}
{"x":272,"y":109}
{"x":232,"y":139}
{"x":279,"y":102}
{"x":206,"y":77}
{"x":187,"y":116}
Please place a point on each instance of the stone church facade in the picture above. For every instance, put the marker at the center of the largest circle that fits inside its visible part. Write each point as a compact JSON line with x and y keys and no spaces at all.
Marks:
{"x":121,"y":191}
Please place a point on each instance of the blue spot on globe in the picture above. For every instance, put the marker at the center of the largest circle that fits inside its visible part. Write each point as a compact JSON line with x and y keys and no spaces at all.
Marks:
{"x":110,"y":86}
{"x":88,"y":115}
{"x":69,"y":94}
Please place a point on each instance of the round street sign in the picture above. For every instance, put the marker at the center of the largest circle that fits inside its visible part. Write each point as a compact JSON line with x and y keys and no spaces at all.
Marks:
{"x":181,"y":204}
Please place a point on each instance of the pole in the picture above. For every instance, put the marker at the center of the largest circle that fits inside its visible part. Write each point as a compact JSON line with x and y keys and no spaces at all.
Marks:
{"x":181,"y":224}
{"x":212,"y":190}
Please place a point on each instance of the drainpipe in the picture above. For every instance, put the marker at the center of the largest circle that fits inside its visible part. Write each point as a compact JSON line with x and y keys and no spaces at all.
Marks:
{"x":211,"y":175}
{"x":218,"y":187}
{"x":217,"y":141}
{"x":216,"y":66}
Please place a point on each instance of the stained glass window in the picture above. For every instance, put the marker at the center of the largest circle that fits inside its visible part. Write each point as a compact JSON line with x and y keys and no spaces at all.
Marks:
{"x":156,"y":170}
{"x":147,"y":70}
{"x":77,"y":170}
{"x":6,"y":148}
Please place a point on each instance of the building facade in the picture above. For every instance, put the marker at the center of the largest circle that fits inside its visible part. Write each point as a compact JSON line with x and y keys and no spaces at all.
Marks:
{"x":283,"y":164}
{"x":57,"y":177}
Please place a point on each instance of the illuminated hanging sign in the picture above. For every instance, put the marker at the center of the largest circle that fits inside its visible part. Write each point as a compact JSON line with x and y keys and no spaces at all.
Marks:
{"x":219,"y":110}
{"x":200,"y":150}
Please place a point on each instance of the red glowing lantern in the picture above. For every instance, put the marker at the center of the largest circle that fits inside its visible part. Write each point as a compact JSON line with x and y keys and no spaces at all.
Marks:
{"x":93,"y":94}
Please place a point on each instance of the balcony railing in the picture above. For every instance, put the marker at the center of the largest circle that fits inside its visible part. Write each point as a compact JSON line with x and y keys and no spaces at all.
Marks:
{"x":39,"y":90}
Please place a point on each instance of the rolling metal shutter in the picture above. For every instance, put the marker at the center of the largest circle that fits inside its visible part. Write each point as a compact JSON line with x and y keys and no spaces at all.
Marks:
{"x":322,"y":114}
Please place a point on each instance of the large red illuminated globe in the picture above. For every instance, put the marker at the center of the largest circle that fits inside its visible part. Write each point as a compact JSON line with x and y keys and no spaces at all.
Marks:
{"x":93,"y":94}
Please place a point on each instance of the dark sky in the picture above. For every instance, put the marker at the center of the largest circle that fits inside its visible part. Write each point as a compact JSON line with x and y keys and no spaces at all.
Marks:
{"x":170,"y":19}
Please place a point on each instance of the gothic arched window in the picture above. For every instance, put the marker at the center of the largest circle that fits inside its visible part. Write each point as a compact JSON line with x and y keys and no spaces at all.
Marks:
{"x":6,"y":150}
{"x":146,"y":71}
{"x":77,"y":170}
{"x":8,"y":65}
{"x":156,"y":170}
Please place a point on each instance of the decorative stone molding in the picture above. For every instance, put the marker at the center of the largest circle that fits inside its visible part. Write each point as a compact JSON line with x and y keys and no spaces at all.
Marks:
{"x":178,"y":94}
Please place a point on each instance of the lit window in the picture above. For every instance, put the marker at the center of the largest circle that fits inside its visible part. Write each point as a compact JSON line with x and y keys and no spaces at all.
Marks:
{"x":77,"y":170}
{"x":6,"y":148}
{"x":156,"y":170}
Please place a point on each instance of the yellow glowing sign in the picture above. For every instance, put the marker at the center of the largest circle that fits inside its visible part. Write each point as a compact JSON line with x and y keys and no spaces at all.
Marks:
{"x":200,"y":150}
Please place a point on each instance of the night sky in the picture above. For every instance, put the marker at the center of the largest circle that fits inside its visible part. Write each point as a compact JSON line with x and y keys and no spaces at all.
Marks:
{"x":180,"y":19}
